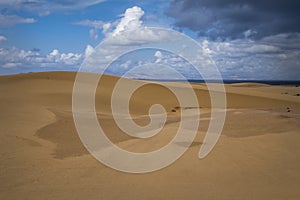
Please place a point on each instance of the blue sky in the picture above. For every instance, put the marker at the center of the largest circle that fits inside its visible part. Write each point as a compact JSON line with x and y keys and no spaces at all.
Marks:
{"x":58,"y":29}
{"x":246,"y":40}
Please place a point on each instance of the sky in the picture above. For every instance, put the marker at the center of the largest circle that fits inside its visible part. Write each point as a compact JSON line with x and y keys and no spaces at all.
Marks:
{"x":246,"y":39}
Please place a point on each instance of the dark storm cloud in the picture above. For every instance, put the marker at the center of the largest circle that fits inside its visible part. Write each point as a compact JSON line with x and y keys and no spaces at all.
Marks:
{"x":232,"y":18}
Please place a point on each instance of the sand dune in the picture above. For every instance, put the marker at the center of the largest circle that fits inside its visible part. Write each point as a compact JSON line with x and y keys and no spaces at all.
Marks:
{"x":42,"y":157}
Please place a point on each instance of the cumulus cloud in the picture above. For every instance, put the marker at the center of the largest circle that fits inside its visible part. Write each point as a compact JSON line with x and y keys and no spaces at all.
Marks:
{"x":11,"y":58}
{"x":11,"y":65}
{"x":130,"y":30}
{"x":158,"y":56}
{"x":246,"y":39}
{"x":248,"y":51}
{"x":126,"y":64}
{"x":2,"y":38}
{"x":106,"y":28}
{"x":234,"y":18}
{"x":247,"y":59}
{"x":131,"y":20}
{"x":54,"y":53}
{"x":284,"y":40}
{"x":14,"y":59}
{"x":95,"y":25}
{"x":261,"y":48}
{"x":127,"y":32}
{"x":11,"y":20}
{"x":93,"y":34}
{"x":243,"y":58}
{"x":249,"y":33}
{"x":89,"y":50}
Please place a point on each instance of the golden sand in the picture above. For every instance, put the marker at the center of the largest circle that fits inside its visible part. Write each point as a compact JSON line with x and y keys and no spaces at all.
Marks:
{"x":256,"y":157}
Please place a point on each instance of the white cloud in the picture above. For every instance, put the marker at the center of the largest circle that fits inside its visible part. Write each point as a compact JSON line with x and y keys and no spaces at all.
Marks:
{"x":54,"y":53}
{"x":70,"y":58}
{"x":127,"y":33}
{"x":63,"y":58}
{"x":106,"y":28}
{"x":261,"y":48}
{"x":285,"y":40}
{"x":131,"y":31}
{"x":126,"y":64}
{"x":158,"y":56}
{"x":268,"y":58}
{"x":11,"y":65}
{"x":249,"y":33}
{"x":94,"y":34}
{"x":131,"y":20}
{"x":11,"y":20}
{"x":90,"y":23}
{"x":273,"y":57}
{"x":205,"y":47}
{"x":2,"y":38}
{"x":264,"y":59}
{"x":237,"y":59}
{"x":14,"y":57}
{"x":89,"y":50}
{"x":95,"y":26}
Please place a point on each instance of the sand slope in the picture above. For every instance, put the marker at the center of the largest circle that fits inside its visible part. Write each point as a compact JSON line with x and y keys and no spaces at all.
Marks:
{"x":257,"y":156}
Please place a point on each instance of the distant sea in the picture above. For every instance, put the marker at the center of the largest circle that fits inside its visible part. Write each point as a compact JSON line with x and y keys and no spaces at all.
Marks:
{"x":269,"y":82}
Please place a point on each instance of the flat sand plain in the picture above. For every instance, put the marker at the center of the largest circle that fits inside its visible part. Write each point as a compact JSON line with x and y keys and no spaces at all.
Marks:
{"x":42,"y":157}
